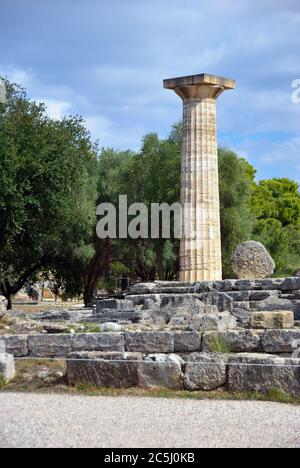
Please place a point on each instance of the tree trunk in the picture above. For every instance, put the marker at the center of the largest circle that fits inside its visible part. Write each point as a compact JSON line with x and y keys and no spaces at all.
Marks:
{"x":88,"y":296}
{"x":9,"y":302}
{"x":159,"y":260}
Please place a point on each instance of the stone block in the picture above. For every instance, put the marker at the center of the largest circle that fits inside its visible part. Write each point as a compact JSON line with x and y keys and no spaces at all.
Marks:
{"x":281,"y":341}
{"x":7,"y":366}
{"x":221,"y":300}
{"x":291,"y":284}
{"x":16,"y":345}
{"x":160,"y":371}
{"x":234,"y":341}
{"x":262,"y":373}
{"x":50,"y":345}
{"x":116,"y":304}
{"x":111,"y":370}
{"x":149,"y":342}
{"x":272,"y":320}
{"x":99,"y":342}
{"x":213,"y":322}
{"x":187,"y":342}
{"x":205,"y":371}
{"x":143,"y":288}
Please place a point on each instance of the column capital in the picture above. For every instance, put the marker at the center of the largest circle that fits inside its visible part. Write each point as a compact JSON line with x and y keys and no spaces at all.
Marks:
{"x":198,"y":87}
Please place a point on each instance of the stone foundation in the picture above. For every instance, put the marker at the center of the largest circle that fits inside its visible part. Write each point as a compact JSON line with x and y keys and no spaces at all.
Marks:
{"x":232,"y":334}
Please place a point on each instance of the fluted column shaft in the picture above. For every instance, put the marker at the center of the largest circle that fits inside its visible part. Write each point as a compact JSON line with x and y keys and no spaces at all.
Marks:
{"x":200,"y":249}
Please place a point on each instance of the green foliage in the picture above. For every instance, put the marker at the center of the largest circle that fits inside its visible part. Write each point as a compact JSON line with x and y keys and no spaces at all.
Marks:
{"x":237,"y":220}
{"x":276,"y":204}
{"x":47,"y":189}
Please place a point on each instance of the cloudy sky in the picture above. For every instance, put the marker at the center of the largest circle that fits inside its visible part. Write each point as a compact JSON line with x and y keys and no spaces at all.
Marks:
{"x":106,"y":59}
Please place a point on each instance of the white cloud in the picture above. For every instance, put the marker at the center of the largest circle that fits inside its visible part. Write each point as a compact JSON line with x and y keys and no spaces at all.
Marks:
{"x":56,"y":109}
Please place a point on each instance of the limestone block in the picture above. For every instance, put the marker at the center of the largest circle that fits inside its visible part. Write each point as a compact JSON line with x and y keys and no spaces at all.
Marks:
{"x":269,"y":320}
{"x":205,"y":371}
{"x":160,"y":371}
{"x":213,"y":322}
{"x":263,"y":373}
{"x":49,"y":345}
{"x":143,"y":288}
{"x":291,"y":284}
{"x":116,"y":304}
{"x":7,"y":366}
{"x":112,"y":370}
{"x":221,"y":300}
{"x":99,"y":342}
{"x":16,"y":345}
{"x":281,"y":341}
{"x":149,"y":342}
{"x":234,"y":341}
{"x":187,"y":342}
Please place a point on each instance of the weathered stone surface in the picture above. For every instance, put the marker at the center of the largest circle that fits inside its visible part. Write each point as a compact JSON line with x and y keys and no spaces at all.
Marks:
{"x":7,"y":366}
{"x":263,"y":295}
{"x":272,"y":304}
{"x":113,"y":370}
{"x":263,"y":373}
{"x":291,"y":284}
{"x":242,"y":316}
{"x":143,"y":288}
{"x":99,"y":342}
{"x":191,"y":304}
{"x":251,"y":260}
{"x":160,"y":371}
{"x":187,"y":342}
{"x":49,"y":345}
{"x":213,"y":322}
{"x":223,"y":302}
{"x":235,"y":341}
{"x":225,"y":285}
{"x":16,"y":345}
{"x":205,"y":371}
{"x":140,"y":299}
{"x":3,"y":306}
{"x":281,"y":341}
{"x":116,"y":304}
{"x":269,"y":320}
{"x":52,"y":328}
{"x":150,"y":342}
{"x":203,"y":287}
{"x":110,"y":315}
{"x":268,"y":284}
{"x":149,"y":304}
{"x":110,"y":327}
{"x":244,"y":285}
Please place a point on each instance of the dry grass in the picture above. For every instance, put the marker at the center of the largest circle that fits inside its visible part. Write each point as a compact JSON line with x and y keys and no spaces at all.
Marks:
{"x":37,"y":308}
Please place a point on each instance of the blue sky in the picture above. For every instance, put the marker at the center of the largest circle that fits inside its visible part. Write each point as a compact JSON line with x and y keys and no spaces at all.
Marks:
{"x":106,"y":60}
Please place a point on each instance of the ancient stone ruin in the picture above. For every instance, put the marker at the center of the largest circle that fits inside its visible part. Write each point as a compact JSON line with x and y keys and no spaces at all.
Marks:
{"x":201,"y":333}
{"x":239,"y":335}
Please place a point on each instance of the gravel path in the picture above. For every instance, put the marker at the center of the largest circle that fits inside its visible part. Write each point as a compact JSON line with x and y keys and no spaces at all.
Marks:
{"x":31,"y":420}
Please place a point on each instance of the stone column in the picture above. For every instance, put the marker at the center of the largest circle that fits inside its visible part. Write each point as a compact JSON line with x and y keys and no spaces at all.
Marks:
{"x":2,"y":92}
{"x":200,"y":249}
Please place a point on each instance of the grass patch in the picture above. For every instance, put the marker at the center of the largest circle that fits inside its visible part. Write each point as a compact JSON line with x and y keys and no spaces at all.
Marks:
{"x":3,"y":383}
{"x":218,"y":344}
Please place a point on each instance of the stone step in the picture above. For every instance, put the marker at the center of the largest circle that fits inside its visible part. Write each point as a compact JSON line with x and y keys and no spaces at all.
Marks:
{"x":197,"y":371}
{"x":147,"y":342}
{"x":284,"y":285}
